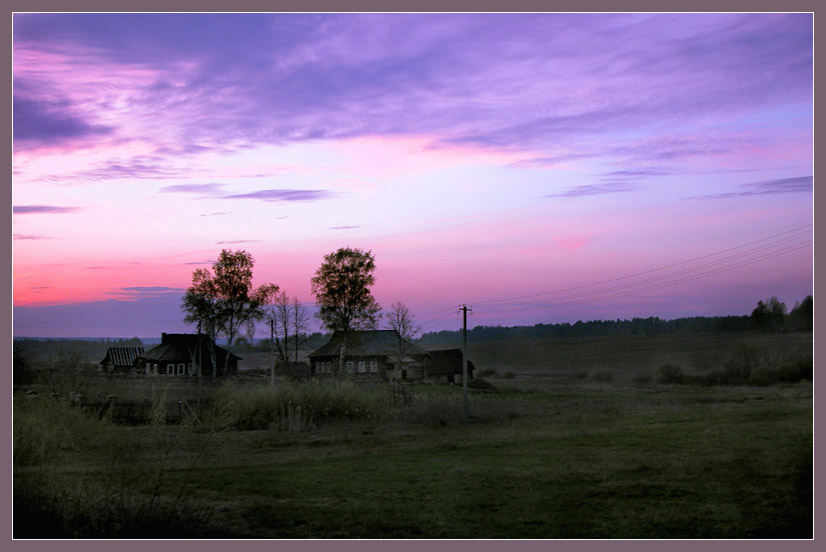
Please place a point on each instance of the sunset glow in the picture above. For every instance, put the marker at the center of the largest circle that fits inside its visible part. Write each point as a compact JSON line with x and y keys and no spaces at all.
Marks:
{"x":536,"y":167}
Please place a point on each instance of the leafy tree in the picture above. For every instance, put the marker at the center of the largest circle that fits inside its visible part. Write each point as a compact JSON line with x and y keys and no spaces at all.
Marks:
{"x":801,"y":316}
{"x":769,"y":316}
{"x":225,"y":302}
{"x":342,"y":289}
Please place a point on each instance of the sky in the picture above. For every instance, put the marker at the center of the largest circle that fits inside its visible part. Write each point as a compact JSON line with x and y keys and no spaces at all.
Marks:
{"x":540,"y":168}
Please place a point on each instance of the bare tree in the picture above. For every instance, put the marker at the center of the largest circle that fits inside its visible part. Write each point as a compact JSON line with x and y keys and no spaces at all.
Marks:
{"x":400,"y":320}
{"x":290,"y":323}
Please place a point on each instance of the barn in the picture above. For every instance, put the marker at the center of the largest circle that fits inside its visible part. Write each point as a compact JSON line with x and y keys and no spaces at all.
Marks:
{"x":183,"y":354}
{"x":446,"y":366}
{"x":120,"y":359}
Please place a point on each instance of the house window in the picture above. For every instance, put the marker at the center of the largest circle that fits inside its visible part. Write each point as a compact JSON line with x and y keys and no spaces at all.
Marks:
{"x":170,"y":369}
{"x":362,"y":367}
{"x":156,"y":369}
{"x":190,"y":369}
{"x":181,"y":369}
{"x":350,"y":366}
{"x":374,"y":366}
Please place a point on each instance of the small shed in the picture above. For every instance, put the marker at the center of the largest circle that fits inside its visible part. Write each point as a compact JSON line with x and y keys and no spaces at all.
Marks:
{"x":446,"y":366}
{"x":120,"y":359}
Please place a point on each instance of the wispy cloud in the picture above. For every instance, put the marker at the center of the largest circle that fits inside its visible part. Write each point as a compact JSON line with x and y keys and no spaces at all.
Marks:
{"x":595,"y":189}
{"x":284,"y":195}
{"x":794,"y":185}
{"x":202,"y":189}
{"x":231,"y":242}
{"x":148,"y":291}
{"x":30,"y":237}
{"x":217,"y":214}
{"x":344,"y":227}
{"x":35,"y":209}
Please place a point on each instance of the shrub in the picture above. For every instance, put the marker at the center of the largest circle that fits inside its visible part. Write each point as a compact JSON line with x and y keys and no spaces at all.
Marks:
{"x":796,"y":371}
{"x":764,"y":376}
{"x":644,"y":379}
{"x":478,"y":383}
{"x":670,"y":373}
{"x":740,"y":364}
{"x":603,"y":375}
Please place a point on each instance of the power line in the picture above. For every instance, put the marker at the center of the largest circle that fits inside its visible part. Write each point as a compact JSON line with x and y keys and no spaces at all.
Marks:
{"x":650,"y":288}
{"x":679,"y":273}
{"x":643,"y":272}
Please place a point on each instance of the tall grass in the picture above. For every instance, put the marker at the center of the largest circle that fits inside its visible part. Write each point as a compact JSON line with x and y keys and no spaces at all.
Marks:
{"x":296,"y":406}
{"x":54,"y":444}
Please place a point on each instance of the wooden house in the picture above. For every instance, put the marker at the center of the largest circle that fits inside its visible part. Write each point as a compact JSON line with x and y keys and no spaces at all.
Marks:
{"x":184,"y":355}
{"x":120,"y":359}
{"x":369,"y":355}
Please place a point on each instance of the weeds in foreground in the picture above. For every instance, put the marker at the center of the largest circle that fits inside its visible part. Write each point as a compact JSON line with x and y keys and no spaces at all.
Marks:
{"x":54,"y":499}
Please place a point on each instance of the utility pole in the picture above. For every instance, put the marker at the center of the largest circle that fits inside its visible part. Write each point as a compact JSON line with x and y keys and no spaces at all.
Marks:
{"x":464,"y":310}
{"x":271,"y":357}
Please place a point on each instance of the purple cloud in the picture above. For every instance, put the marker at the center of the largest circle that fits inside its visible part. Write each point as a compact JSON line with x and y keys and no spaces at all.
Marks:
{"x":462,"y":78}
{"x":40,"y":122}
{"x":32,"y":209}
{"x":794,"y":185}
{"x":284,"y":195}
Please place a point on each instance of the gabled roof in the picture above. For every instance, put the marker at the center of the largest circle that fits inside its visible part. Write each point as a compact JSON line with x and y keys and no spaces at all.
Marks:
{"x":184,"y":348}
{"x":122,"y":356}
{"x":366,"y":343}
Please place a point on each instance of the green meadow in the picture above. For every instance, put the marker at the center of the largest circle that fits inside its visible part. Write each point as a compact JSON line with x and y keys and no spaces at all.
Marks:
{"x":575,"y":439}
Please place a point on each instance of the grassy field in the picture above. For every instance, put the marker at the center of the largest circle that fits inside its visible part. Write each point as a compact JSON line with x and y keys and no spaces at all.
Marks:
{"x":541,"y":457}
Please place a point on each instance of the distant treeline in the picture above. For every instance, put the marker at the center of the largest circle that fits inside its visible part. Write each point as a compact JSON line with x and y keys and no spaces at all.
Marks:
{"x":769,"y":315}
{"x":92,"y":350}
{"x":596,"y":328}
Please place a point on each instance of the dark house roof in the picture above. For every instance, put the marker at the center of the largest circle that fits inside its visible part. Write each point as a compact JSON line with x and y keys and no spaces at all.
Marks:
{"x":179,"y":348}
{"x":366,"y":343}
{"x":121,"y":356}
{"x":446,"y":362}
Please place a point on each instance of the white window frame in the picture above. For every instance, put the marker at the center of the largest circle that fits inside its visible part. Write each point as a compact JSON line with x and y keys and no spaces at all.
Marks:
{"x":350,"y":366}
{"x":181,"y":369}
{"x":170,"y":369}
{"x":374,"y":366}
{"x":362,"y":367}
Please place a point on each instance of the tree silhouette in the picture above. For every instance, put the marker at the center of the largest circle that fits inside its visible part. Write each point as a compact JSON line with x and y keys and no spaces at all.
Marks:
{"x":342,"y":289}
{"x":225,"y":301}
